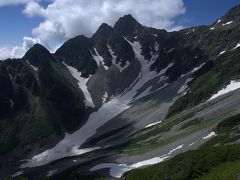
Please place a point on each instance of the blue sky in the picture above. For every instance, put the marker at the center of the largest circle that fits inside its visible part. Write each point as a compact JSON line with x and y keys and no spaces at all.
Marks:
{"x":205,"y":12}
{"x":16,"y":24}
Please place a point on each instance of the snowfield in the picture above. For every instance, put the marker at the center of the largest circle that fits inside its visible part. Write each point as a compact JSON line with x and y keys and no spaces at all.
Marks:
{"x":231,"y":87}
{"x":82,"y":83}
{"x":71,"y":144}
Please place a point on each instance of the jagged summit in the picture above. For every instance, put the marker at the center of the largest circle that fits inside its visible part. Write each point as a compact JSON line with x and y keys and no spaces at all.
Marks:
{"x":127,"y":25}
{"x":103,"y":31}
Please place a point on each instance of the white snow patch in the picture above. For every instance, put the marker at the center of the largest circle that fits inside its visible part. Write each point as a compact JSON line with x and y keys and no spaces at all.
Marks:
{"x":212,"y":134}
{"x":194,"y":70}
{"x":33,"y":67}
{"x":231,"y":87}
{"x":219,"y":21}
{"x":175,"y":149}
{"x":237,"y":46}
{"x":155,"y":35}
{"x":148,"y":162}
{"x":153,"y":124}
{"x":117,"y":170}
{"x":117,"y":64}
{"x":221,"y":53}
{"x":171,"y":50}
{"x":227,"y":23}
{"x":74,"y":160}
{"x":51,"y":173}
{"x":191,"y":144}
{"x":212,"y":28}
{"x":82,"y":83}
{"x":185,"y":86}
{"x":17,"y":174}
{"x":99,"y":59}
{"x":105,"y":96}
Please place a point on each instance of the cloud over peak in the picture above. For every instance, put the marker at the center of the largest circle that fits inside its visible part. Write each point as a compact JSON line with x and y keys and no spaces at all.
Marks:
{"x":64,"y":19}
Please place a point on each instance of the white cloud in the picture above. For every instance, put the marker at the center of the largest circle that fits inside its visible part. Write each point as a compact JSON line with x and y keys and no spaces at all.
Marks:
{"x":14,"y":2}
{"x":17,"y":51}
{"x":11,"y":52}
{"x":33,"y":9}
{"x":64,"y":19}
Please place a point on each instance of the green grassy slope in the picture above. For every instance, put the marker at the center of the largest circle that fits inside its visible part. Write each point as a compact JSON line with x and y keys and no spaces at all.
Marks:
{"x":208,"y":163}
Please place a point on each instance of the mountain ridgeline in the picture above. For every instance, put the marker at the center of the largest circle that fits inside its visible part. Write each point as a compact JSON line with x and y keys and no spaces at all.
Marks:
{"x":44,"y":95}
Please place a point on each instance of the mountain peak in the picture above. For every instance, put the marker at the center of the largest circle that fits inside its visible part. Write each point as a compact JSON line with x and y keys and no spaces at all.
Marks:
{"x":127,"y":25}
{"x":37,"y":55}
{"x":103,"y":31}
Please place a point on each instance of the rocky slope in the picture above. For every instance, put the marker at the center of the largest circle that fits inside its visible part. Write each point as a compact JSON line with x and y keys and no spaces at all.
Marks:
{"x":108,"y":96}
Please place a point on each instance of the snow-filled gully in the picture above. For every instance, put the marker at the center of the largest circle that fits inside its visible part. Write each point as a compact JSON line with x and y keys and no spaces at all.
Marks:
{"x":70,"y":145}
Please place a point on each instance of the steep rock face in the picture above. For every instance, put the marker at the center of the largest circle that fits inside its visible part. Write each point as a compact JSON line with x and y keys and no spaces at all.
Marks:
{"x":39,"y":98}
{"x":77,"y":52}
{"x":112,"y":46}
{"x":128,"y":26}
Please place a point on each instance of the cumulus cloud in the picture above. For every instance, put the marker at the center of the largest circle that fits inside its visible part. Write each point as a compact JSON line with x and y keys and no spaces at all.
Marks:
{"x":17,"y":51}
{"x":65,"y":19}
